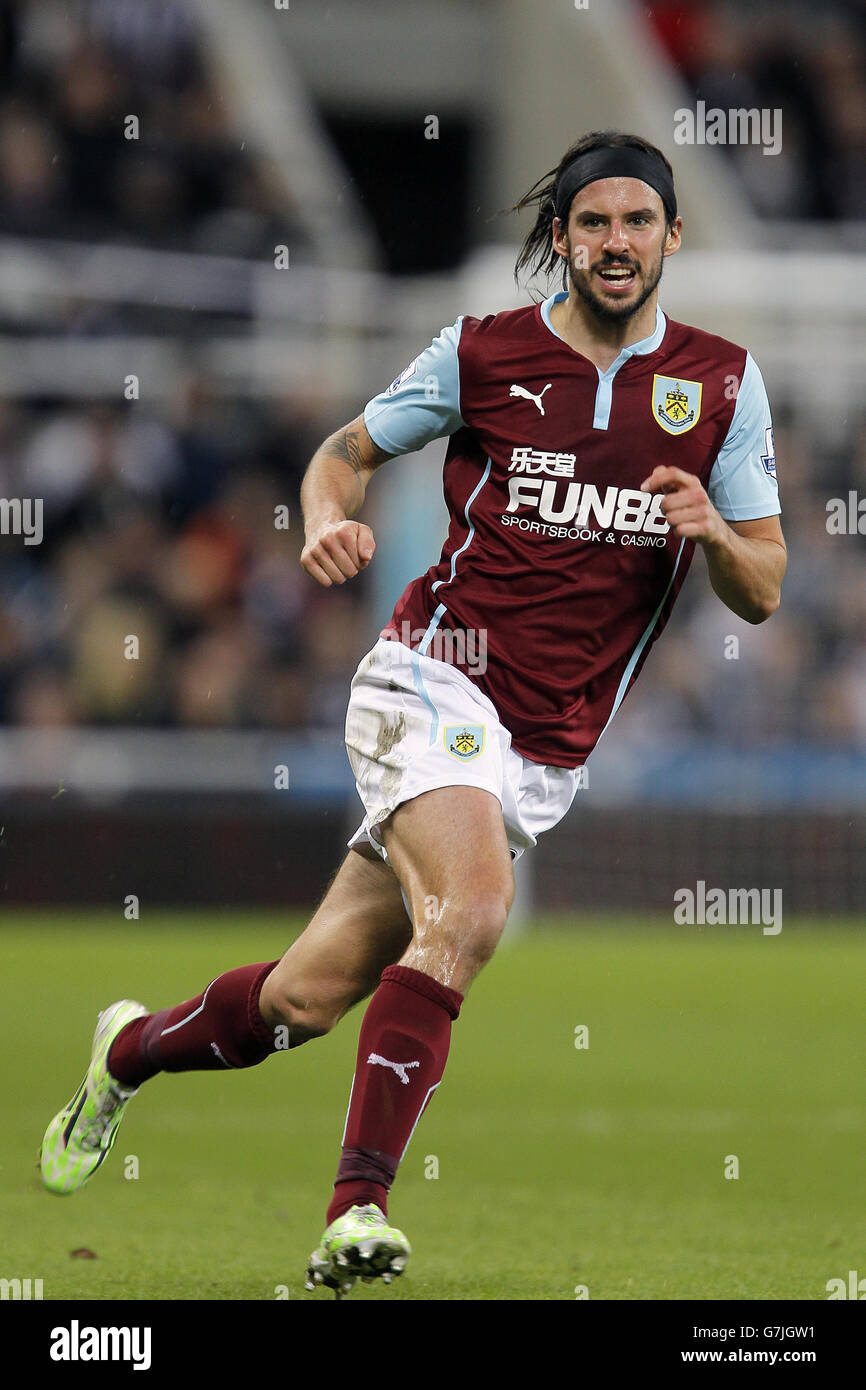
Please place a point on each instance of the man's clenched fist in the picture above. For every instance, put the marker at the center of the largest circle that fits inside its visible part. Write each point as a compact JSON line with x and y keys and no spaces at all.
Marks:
{"x":337,"y":551}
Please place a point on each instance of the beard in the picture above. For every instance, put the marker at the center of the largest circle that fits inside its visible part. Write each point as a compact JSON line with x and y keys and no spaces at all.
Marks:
{"x":611,"y":311}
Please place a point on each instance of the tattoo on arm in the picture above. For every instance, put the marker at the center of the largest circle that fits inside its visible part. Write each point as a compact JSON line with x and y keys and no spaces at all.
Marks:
{"x":346,"y":446}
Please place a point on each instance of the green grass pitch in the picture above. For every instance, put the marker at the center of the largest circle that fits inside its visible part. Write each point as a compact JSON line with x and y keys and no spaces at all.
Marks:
{"x":558,"y":1167}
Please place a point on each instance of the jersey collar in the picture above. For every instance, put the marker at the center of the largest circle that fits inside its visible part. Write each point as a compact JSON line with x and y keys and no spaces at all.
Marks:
{"x":641,"y":348}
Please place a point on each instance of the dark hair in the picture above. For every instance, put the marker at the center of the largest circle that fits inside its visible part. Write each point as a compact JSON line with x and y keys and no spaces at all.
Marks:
{"x":537,"y":252}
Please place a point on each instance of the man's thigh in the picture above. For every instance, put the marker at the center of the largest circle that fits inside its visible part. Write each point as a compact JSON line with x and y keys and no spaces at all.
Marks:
{"x":416,"y":725}
{"x":358,"y":929}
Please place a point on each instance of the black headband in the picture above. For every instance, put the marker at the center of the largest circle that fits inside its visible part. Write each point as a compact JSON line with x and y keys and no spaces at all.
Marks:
{"x":614,"y":161}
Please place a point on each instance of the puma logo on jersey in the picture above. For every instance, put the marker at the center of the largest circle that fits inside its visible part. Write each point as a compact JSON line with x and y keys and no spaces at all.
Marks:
{"x":399,"y":1067}
{"x":528,"y":396}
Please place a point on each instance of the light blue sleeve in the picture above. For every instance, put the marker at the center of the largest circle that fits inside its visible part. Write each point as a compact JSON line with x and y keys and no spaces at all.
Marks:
{"x":743,"y":483}
{"x":423,"y":402}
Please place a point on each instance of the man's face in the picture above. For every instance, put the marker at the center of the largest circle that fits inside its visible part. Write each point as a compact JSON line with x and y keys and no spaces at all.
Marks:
{"x":615,"y":245}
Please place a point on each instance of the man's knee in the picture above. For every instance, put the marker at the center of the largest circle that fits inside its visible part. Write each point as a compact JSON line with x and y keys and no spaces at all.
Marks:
{"x":485,"y":919}
{"x":469,"y":923}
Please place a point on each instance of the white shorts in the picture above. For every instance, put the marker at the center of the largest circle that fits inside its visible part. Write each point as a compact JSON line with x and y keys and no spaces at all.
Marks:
{"x":415,"y":723}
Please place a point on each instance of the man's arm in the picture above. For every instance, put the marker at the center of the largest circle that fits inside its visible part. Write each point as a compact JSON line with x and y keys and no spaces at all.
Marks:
{"x":333,"y":490}
{"x":420,"y":405}
{"x":746,"y":559}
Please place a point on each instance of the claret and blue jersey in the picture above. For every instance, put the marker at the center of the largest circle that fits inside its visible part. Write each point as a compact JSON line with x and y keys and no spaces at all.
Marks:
{"x":553,"y":552}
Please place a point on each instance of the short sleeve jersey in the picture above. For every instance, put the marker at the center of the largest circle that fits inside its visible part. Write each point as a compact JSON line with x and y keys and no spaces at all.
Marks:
{"x":555,"y":563}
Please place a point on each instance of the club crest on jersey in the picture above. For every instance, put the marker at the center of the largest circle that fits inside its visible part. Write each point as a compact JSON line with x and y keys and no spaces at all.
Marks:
{"x":676,"y":403}
{"x":464,"y":741}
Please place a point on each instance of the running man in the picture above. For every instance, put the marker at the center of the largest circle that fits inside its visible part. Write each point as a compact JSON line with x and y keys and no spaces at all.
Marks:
{"x":593,"y":444}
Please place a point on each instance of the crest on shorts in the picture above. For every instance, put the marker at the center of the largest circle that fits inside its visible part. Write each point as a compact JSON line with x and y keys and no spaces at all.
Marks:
{"x":464,"y":741}
{"x":676,"y":403}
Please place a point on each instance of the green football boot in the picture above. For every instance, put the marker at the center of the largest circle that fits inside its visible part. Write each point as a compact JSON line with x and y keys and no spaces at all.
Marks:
{"x":358,"y":1245}
{"x":83,"y":1134}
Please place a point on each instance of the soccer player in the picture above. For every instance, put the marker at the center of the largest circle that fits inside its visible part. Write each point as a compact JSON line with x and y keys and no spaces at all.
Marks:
{"x":593,"y":444}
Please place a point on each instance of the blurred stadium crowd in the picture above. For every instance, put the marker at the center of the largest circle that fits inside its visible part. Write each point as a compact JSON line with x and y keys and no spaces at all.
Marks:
{"x":159,"y":521}
{"x":71,"y":74}
{"x":778,"y":54}
{"x":163,"y":527}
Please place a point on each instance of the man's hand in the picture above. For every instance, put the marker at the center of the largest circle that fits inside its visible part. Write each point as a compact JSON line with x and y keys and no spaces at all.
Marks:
{"x":745,"y":559}
{"x":688,"y":509}
{"x":338,"y":551}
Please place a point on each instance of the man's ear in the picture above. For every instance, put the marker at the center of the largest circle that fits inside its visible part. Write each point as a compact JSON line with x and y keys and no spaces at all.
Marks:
{"x":558,"y":234}
{"x":673,"y":237}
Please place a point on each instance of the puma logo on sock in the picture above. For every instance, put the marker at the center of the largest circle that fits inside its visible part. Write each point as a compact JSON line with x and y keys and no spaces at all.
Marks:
{"x":399,"y":1067}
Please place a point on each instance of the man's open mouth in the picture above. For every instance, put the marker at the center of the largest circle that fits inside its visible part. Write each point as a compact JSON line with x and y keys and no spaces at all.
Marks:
{"x":618,"y":277}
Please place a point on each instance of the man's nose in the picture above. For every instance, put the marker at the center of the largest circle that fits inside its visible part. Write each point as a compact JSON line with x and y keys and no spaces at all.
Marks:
{"x":617,"y":241}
